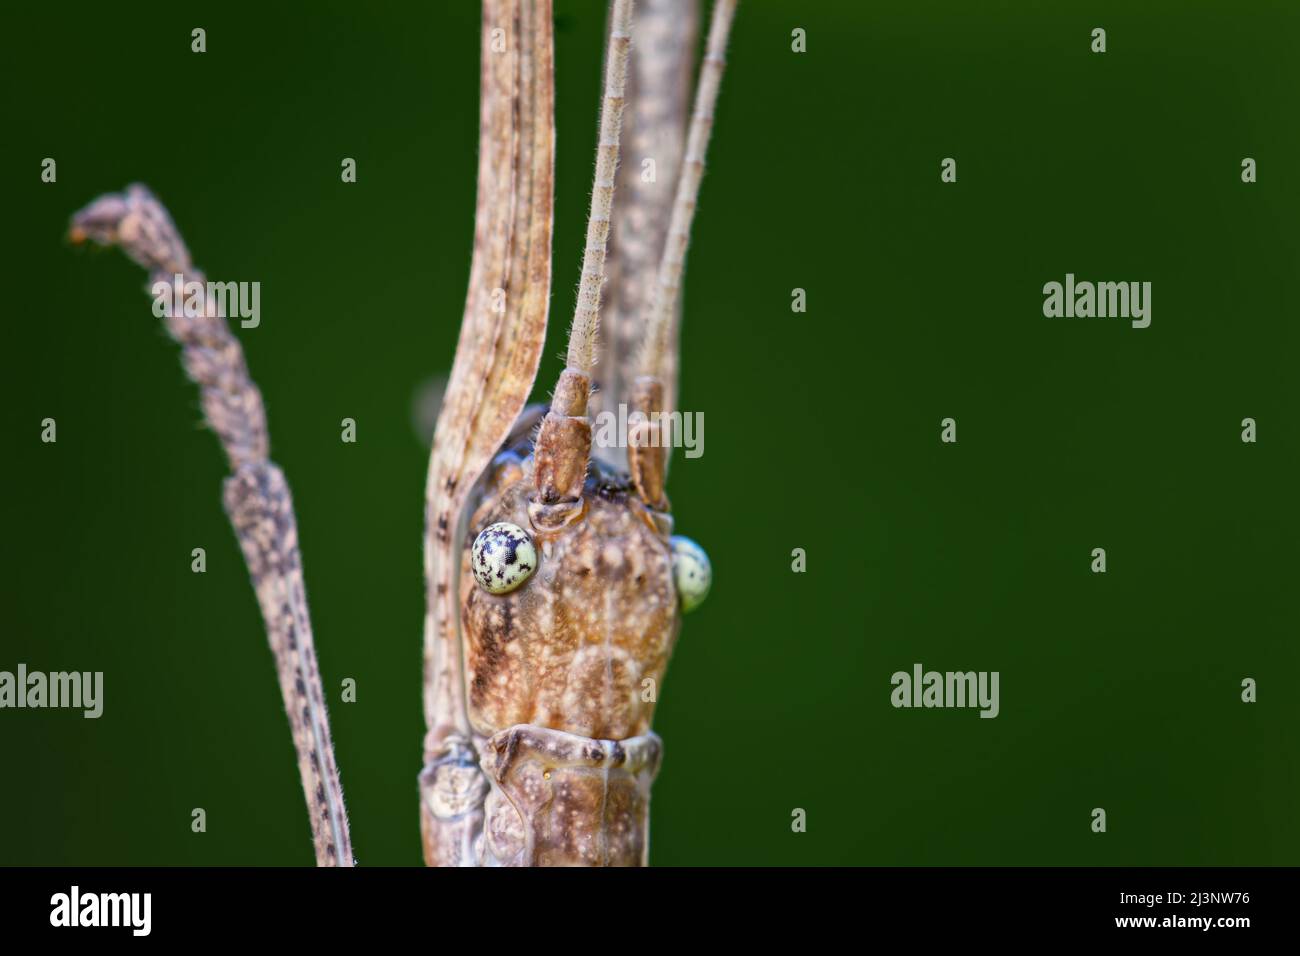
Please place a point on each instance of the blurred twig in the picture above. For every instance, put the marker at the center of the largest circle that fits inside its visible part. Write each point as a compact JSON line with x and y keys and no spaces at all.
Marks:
{"x":257,"y":498}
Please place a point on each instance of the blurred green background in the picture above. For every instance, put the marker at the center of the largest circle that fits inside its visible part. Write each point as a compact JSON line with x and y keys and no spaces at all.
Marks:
{"x":1119,"y":691}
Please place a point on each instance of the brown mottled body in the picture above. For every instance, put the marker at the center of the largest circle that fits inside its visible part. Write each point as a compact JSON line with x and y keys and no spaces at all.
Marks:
{"x":564,"y":800}
{"x":583,"y":645}
{"x":562,"y":676}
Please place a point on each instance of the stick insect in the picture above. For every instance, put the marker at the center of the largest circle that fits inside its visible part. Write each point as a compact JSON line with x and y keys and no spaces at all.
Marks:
{"x":554,"y":584}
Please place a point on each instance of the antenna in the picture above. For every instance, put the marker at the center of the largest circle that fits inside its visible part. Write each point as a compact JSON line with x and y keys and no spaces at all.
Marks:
{"x":646,"y":456}
{"x":564,"y":442}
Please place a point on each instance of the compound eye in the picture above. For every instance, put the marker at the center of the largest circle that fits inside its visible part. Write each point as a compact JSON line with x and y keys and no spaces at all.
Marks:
{"x":691,"y":571}
{"x":503,"y":557}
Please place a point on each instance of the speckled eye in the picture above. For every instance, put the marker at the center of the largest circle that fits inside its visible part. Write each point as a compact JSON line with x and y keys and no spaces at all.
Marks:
{"x":503,"y":557}
{"x":691,"y":571}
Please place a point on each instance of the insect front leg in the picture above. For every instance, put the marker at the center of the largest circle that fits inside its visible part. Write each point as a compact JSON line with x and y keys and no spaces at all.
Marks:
{"x":496,"y":363}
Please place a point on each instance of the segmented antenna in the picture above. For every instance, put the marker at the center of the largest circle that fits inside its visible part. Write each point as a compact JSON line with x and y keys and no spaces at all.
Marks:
{"x":654,"y":356}
{"x":586,"y":315}
{"x":564,"y":443}
{"x":660,"y":87}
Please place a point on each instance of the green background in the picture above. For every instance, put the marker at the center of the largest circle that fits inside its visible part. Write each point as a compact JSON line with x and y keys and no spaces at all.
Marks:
{"x":1119,"y":690}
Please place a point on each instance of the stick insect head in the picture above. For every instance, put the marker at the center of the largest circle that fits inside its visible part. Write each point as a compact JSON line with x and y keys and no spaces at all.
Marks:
{"x":581,"y":642}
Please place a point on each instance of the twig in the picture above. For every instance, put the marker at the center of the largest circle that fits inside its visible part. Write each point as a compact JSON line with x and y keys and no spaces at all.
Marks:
{"x":256,"y":496}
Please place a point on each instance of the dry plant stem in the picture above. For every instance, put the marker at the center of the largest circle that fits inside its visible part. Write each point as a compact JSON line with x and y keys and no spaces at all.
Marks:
{"x":257,"y":498}
{"x":586,"y":316}
{"x":655,"y":357}
{"x":497,"y":357}
{"x":654,"y":128}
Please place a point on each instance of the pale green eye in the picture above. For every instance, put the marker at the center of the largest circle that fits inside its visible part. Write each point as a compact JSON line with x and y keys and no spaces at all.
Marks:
{"x":691,"y":571}
{"x":503,"y":557}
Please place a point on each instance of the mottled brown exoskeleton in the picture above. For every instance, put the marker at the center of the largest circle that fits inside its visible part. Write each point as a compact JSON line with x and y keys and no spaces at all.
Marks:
{"x":555,"y":585}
